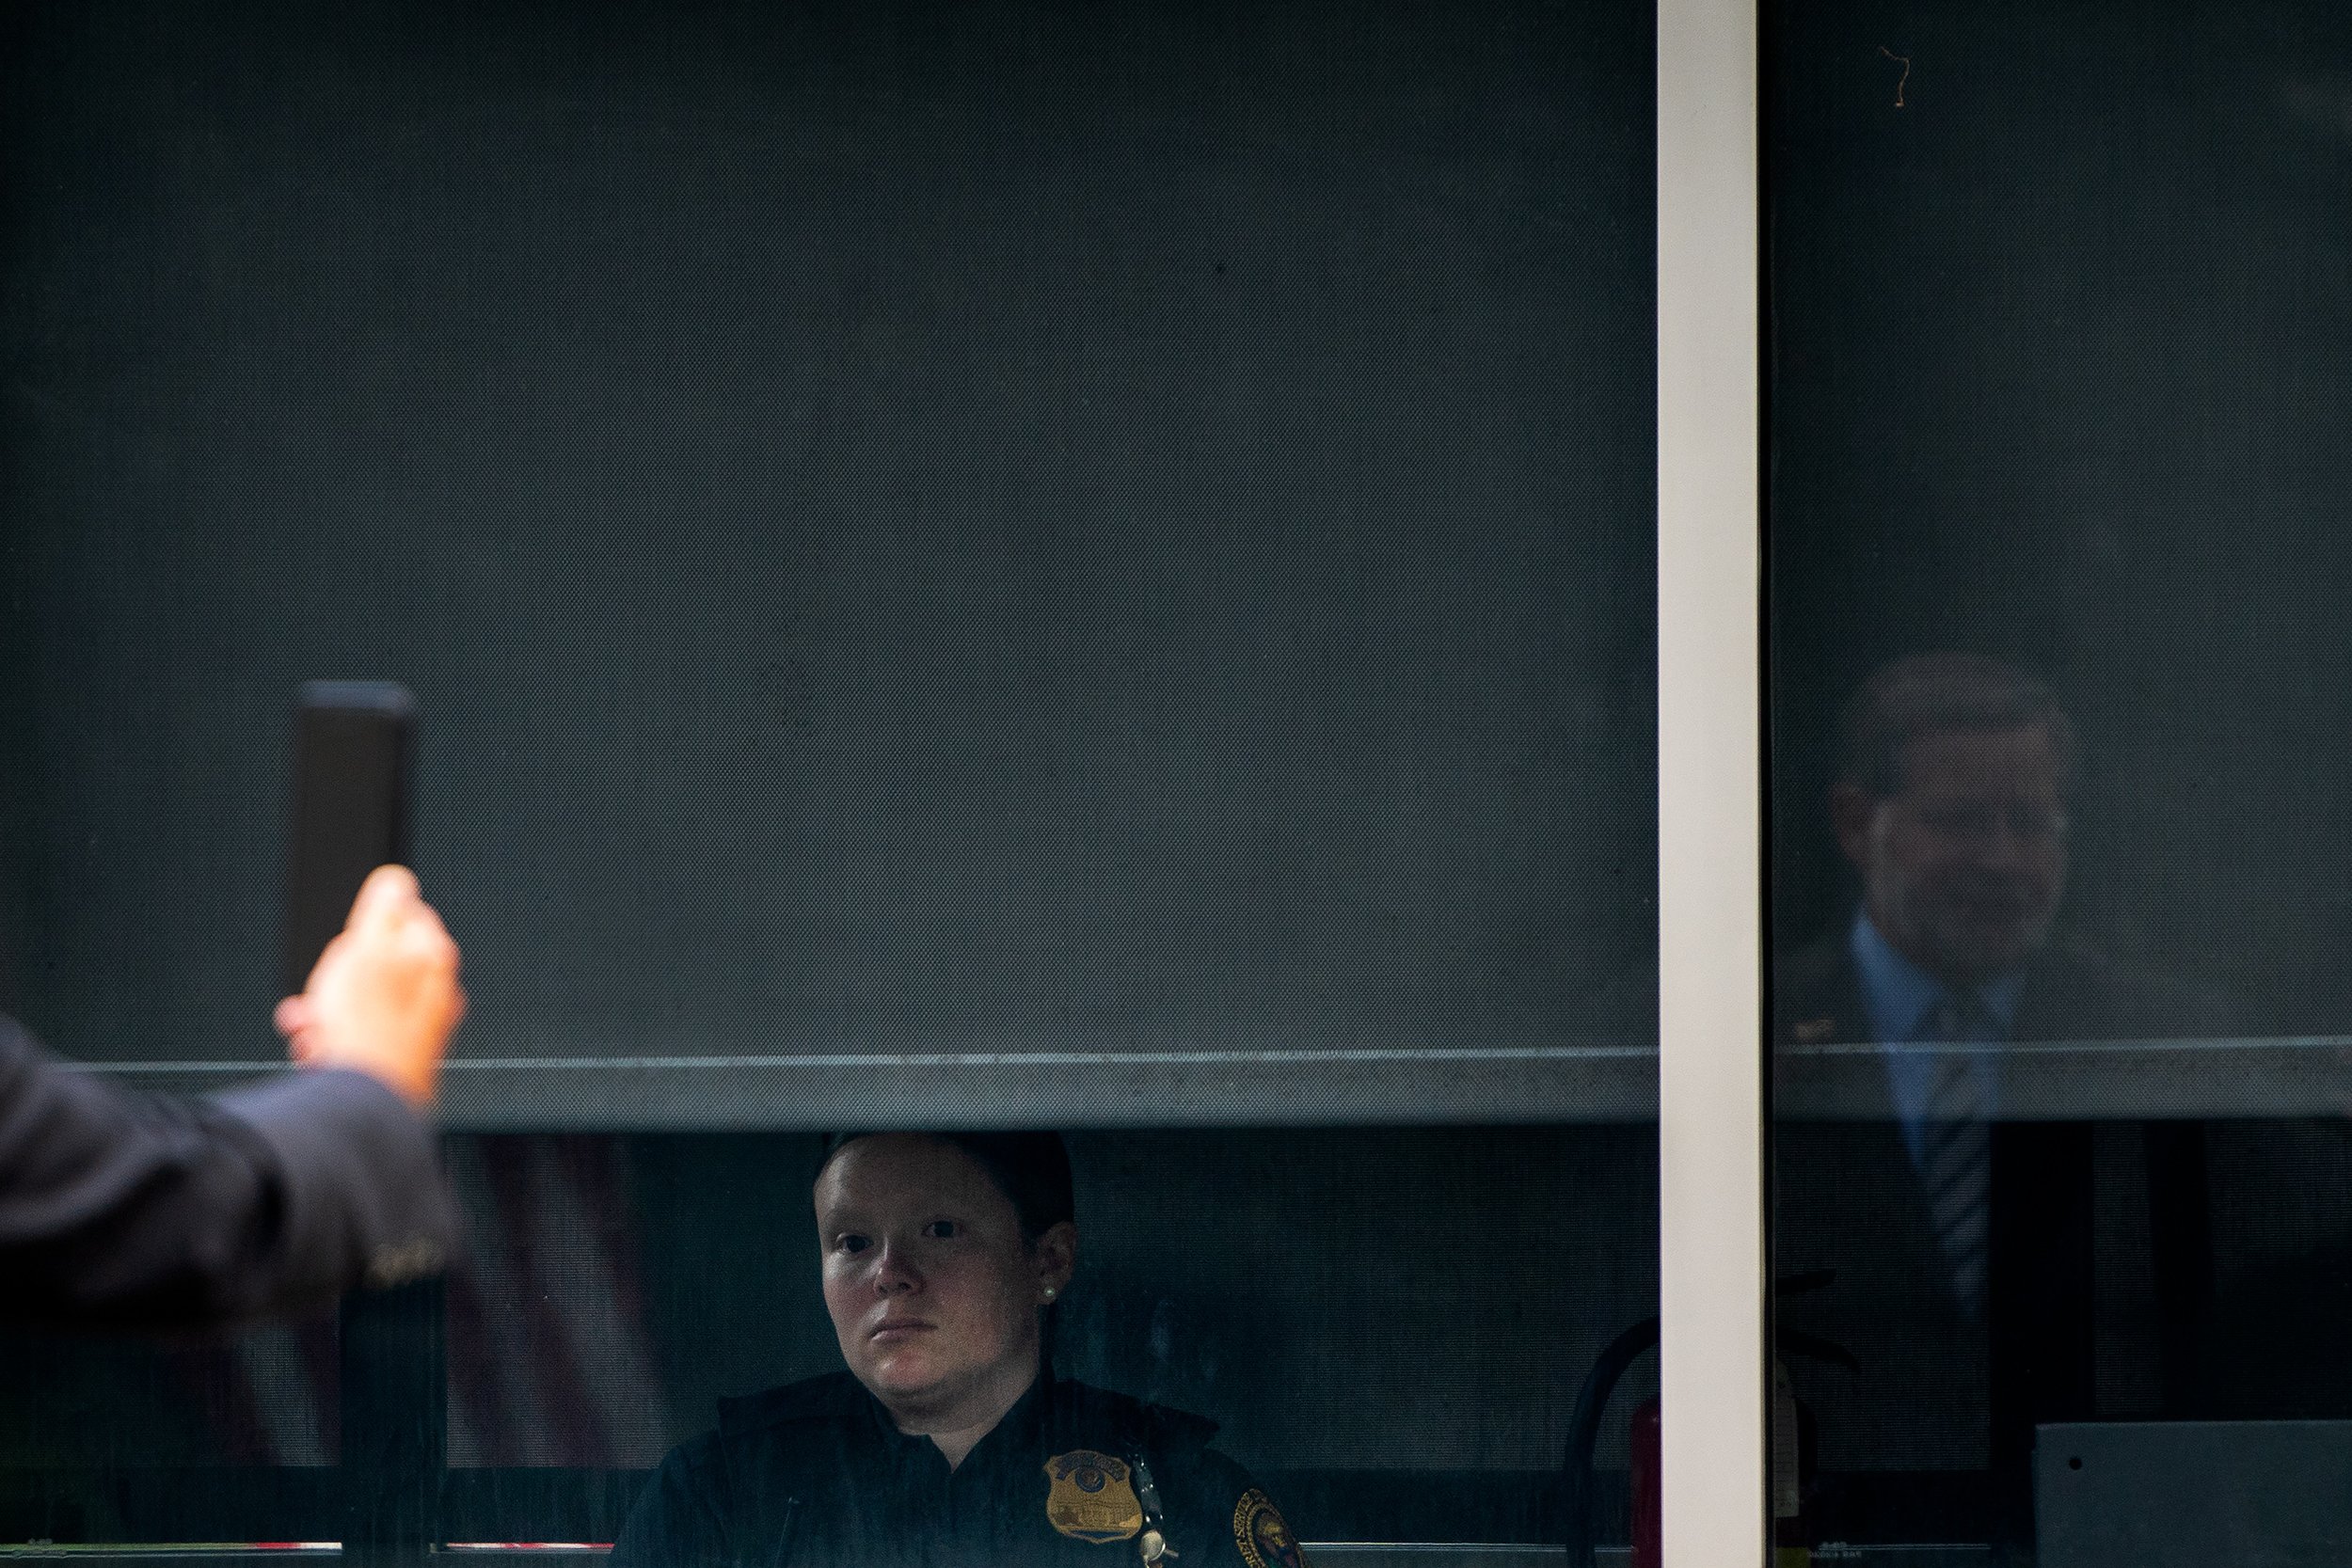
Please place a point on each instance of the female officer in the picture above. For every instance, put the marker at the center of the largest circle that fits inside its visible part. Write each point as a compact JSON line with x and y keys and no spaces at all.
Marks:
{"x":949,"y":1441}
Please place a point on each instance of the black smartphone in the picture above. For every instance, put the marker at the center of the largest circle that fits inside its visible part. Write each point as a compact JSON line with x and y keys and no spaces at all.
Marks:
{"x":354,"y":756}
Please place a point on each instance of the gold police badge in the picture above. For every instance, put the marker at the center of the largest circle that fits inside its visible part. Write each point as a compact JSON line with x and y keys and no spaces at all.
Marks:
{"x":1265,"y":1540}
{"x":1093,"y":1497}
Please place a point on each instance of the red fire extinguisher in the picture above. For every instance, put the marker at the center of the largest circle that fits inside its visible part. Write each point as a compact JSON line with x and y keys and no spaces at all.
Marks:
{"x":1793,"y":1445}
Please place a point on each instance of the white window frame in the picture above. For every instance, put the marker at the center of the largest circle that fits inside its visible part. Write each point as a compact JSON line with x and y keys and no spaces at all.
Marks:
{"x":1712,"y":1261}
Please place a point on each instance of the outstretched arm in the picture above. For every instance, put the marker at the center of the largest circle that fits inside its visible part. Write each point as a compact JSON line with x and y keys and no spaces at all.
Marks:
{"x":139,"y":1210}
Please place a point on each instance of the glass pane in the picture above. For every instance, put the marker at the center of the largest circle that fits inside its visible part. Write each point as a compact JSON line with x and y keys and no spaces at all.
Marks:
{"x":1136,"y":532}
{"x":2062,"y":334}
{"x":941,"y":547}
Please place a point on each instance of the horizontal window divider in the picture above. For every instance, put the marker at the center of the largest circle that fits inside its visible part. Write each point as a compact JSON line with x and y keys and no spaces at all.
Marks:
{"x":2256,"y":1078}
{"x":1069,"y":1089}
{"x":212,"y":1513}
{"x":2192,"y":1080}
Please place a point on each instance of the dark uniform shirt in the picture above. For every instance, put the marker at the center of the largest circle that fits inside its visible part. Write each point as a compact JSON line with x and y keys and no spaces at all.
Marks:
{"x":816,"y":1475}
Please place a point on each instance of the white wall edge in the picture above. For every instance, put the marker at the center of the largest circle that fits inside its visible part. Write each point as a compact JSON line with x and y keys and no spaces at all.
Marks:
{"x":1712,"y":1259}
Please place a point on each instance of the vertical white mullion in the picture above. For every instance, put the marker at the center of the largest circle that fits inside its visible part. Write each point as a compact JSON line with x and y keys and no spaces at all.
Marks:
{"x":1712,"y":1261}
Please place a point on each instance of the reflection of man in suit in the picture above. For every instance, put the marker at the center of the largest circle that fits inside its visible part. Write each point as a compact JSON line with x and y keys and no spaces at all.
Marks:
{"x":1950,"y":803}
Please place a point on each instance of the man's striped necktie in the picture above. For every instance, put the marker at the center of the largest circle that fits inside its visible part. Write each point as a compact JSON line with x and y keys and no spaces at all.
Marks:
{"x":1956,"y":1146}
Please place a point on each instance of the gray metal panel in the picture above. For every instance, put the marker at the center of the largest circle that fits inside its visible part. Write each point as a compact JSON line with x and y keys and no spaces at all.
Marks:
{"x":2097,"y":1080}
{"x":2192,"y":1493}
{"x":1064,"y":1089}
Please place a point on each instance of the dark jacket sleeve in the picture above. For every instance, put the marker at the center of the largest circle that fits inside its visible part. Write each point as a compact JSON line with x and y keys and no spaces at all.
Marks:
{"x":1231,"y":1521}
{"x":679,"y":1520}
{"x":134,"y":1211}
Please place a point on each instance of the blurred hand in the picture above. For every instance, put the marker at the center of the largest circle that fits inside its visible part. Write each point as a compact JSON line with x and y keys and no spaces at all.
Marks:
{"x":383,"y":997}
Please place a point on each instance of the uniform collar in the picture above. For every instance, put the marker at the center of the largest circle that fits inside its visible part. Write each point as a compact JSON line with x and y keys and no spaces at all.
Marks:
{"x":1017,"y":1430}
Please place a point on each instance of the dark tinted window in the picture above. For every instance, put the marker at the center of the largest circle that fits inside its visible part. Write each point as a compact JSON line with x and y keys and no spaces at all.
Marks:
{"x":941,"y":530}
{"x":2059,"y":367}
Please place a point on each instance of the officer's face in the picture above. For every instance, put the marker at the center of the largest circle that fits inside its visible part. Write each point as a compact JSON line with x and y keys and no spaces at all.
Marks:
{"x":1964,"y":865}
{"x":933,"y":1292}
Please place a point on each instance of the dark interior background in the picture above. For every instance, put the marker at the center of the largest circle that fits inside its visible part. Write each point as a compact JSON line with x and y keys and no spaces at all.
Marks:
{"x":1349,"y":1275}
{"x":2061,"y":369}
{"x":1389,"y":1325}
{"x":910,"y":524}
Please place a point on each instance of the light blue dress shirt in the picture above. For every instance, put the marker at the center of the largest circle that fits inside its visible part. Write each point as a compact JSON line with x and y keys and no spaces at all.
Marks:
{"x":1902,"y":999}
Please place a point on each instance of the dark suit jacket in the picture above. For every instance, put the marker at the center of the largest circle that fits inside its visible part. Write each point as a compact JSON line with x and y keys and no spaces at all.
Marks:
{"x":134,"y":1210}
{"x":1938,"y":1391}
